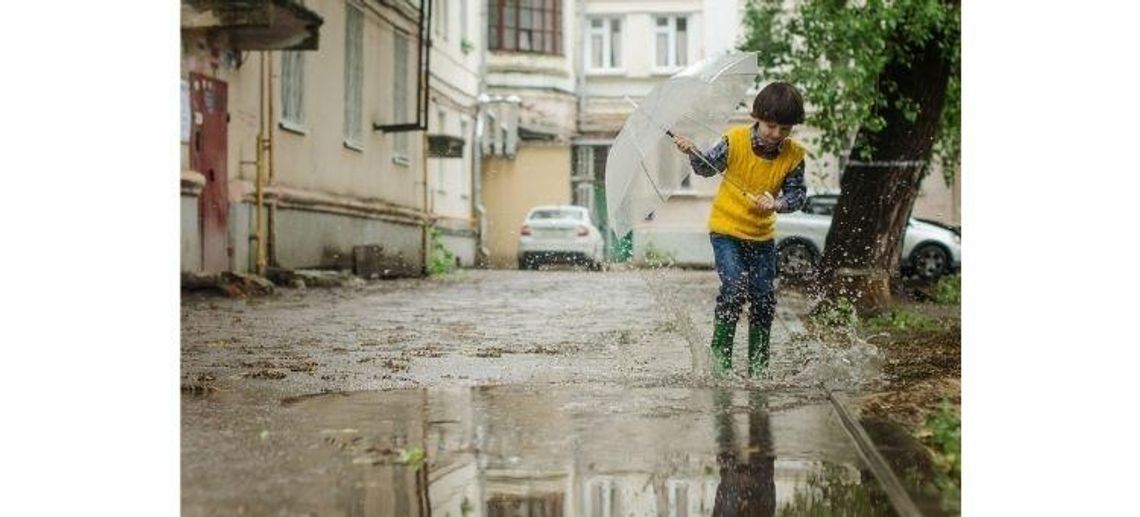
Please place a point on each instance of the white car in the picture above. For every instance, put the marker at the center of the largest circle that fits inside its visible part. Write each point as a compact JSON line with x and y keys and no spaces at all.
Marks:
{"x":929,"y":250}
{"x":562,"y":233}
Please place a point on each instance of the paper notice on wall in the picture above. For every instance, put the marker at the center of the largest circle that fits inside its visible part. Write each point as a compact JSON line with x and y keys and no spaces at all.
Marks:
{"x":185,"y":110}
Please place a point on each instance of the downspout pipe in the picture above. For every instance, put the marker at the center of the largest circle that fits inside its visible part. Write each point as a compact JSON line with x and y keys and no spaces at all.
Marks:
{"x":260,"y":261}
{"x":477,"y":186}
{"x":269,"y":254}
{"x":422,"y":107}
{"x":482,"y":253}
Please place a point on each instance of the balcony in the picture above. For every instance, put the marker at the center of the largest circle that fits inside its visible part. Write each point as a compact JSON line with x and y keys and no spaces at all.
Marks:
{"x":254,"y":24}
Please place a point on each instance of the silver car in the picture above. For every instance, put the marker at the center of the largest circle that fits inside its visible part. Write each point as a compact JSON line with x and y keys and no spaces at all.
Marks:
{"x":929,"y":250}
{"x":561,"y":233}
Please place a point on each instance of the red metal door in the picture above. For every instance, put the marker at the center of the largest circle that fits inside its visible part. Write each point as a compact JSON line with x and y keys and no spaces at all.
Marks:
{"x":208,"y":156}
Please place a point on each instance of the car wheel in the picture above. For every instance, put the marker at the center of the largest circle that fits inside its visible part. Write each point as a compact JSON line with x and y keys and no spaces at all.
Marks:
{"x":797,"y":259}
{"x":929,"y":261}
{"x":526,"y":262}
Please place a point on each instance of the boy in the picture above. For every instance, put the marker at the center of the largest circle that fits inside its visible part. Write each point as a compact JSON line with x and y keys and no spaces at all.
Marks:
{"x":764,"y":174}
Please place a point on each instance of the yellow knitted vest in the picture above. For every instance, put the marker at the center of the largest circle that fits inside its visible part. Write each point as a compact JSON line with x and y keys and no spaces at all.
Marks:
{"x":732,"y":212}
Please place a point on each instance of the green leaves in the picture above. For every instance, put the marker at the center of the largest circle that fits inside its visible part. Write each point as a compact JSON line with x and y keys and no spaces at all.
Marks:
{"x":836,"y":51}
{"x":948,"y":290}
{"x":412,"y":457}
{"x":943,"y":432}
{"x":442,"y":259}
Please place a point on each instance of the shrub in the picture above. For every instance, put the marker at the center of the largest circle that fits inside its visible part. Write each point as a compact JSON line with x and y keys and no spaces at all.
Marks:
{"x":657,"y":257}
{"x":902,"y":320}
{"x":948,"y":290}
{"x":442,"y":259}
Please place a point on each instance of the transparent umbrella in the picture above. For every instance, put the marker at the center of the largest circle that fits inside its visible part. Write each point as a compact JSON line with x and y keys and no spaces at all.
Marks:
{"x":644,"y":167}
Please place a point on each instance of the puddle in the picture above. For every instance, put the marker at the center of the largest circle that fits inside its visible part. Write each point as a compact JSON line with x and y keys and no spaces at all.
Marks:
{"x":598,"y":450}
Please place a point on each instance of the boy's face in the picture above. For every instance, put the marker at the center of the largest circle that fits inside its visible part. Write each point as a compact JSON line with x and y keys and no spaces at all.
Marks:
{"x":772,"y":132}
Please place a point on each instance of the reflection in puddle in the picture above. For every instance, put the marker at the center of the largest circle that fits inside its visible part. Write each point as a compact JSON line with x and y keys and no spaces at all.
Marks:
{"x":532,"y":451}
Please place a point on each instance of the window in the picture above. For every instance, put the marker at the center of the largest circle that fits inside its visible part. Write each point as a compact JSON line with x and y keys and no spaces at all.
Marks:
{"x":545,"y":215}
{"x":465,"y":182}
{"x":603,"y":44}
{"x":353,"y":76}
{"x":602,"y":498}
{"x":441,"y":163}
{"x":671,"y":41}
{"x":525,"y":25}
{"x":678,"y":500}
{"x":400,"y":94}
{"x":293,"y":88}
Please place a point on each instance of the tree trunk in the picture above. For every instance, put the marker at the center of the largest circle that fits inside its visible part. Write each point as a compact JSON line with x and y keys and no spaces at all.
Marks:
{"x":864,"y":242}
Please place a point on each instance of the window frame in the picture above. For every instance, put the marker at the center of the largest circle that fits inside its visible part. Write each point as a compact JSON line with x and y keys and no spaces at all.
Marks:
{"x":607,"y":33}
{"x":465,"y":188}
{"x":671,"y":64}
{"x":441,"y":163}
{"x":292,"y":91}
{"x":548,"y":14}
{"x":353,"y":78}
{"x":400,"y":91}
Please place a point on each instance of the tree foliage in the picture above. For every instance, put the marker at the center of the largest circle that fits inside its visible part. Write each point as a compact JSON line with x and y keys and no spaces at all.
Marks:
{"x":836,"y":51}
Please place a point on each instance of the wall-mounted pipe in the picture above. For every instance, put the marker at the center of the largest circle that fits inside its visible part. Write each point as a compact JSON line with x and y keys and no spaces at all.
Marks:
{"x":259,"y":183}
{"x":269,"y":256}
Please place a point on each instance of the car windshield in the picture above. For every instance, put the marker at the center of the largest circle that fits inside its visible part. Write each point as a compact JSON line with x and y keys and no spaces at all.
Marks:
{"x":556,"y":214}
{"x":822,"y":205}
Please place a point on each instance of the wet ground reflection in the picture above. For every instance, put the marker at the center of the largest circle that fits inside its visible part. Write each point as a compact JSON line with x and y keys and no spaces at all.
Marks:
{"x":532,"y":450}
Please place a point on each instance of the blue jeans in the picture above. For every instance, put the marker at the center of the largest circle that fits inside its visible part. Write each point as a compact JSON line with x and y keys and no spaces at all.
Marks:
{"x":747,"y":271}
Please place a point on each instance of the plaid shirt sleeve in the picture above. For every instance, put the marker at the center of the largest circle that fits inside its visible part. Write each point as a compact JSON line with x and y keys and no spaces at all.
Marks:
{"x":793,"y":192}
{"x":717,"y":156}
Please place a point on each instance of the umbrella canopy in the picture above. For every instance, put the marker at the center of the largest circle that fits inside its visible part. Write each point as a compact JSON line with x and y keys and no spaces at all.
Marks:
{"x":644,"y":167}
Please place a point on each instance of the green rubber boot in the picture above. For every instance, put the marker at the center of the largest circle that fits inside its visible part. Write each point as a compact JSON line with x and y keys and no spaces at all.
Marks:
{"x":723,"y":335}
{"x":757,"y":351}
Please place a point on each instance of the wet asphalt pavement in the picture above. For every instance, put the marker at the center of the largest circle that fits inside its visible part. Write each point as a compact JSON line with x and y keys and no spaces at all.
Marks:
{"x":506,"y":393}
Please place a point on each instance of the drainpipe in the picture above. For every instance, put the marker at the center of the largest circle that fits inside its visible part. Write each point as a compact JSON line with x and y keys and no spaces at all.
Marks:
{"x":269,"y":255}
{"x":477,"y":186}
{"x":260,"y":262}
{"x":425,"y":77}
{"x":482,"y":253}
{"x":579,"y":62}
{"x":427,"y":208}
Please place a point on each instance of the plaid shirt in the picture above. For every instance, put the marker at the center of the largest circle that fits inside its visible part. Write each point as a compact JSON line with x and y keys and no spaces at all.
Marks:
{"x":793,"y":192}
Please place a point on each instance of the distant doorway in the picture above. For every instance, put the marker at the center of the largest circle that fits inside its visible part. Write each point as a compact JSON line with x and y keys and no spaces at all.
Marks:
{"x":208,"y":156}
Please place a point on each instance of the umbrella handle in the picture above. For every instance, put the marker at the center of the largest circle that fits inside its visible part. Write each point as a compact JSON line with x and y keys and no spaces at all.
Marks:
{"x":751,"y":197}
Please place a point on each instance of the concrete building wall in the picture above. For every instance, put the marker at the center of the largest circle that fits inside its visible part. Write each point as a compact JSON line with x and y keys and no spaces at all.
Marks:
{"x":539,"y":175}
{"x":457,"y":39}
{"x":242,"y":225}
{"x":679,"y":230}
{"x":939,"y":201}
{"x":319,"y":158}
{"x":325,"y":238}
{"x":191,"y":242}
{"x":329,"y":191}
{"x":463,"y":246}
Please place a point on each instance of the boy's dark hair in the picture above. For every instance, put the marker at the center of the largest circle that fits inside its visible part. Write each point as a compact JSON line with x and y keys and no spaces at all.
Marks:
{"x":779,"y":102}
